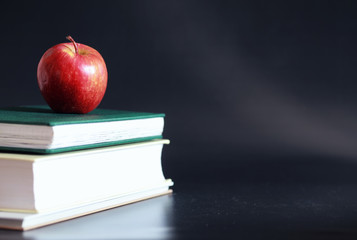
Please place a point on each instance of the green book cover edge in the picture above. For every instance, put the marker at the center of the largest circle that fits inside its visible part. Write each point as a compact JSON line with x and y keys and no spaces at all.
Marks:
{"x":81,"y":147}
{"x":43,"y":115}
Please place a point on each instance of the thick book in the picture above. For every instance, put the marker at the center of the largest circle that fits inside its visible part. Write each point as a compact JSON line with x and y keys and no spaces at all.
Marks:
{"x":39,"y":129}
{"x":32,"y":183}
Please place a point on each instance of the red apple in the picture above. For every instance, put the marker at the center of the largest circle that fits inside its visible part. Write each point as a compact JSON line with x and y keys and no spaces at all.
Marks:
{"x":72,"y":77}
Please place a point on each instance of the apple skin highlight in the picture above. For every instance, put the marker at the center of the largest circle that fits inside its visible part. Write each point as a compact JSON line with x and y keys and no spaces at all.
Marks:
{"x":72,"y":77}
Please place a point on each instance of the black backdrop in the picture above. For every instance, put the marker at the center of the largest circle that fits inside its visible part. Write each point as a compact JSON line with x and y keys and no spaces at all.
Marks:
{"x":237,"y":79}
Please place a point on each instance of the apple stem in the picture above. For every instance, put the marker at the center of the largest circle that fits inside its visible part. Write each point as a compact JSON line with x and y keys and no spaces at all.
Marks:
{"x":74,"y":43}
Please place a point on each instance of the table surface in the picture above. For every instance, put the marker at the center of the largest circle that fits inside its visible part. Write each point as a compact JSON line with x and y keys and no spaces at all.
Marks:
{"x":295,"y":198}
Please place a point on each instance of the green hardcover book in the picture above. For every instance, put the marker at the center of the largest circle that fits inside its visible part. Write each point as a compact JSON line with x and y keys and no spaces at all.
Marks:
{"x":38,"y":129}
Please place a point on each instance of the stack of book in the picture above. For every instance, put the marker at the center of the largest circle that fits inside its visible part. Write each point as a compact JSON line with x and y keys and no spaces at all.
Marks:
{"x":54,"y":167}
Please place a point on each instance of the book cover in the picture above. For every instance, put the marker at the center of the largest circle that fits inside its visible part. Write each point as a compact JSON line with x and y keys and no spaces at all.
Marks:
{"x":43,"y":115}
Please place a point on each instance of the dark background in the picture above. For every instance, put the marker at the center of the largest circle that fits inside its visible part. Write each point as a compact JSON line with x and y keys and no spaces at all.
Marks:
{"x":260,"y":100}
